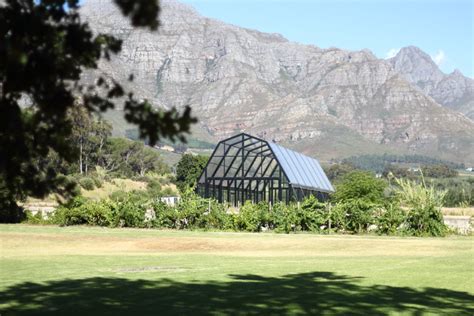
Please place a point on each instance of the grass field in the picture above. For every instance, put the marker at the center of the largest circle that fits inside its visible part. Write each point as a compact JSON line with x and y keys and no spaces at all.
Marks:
{"x":87,"y":271}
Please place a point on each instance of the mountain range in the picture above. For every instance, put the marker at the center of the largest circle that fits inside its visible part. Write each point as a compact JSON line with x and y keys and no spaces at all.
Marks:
{"x":329,"y":103}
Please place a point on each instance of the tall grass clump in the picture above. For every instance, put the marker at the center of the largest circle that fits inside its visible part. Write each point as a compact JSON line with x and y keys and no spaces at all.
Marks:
{"x":423,"y":204}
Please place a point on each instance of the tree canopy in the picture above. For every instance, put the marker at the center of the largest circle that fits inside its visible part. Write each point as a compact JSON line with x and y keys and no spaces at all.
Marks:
{"x":362,"y":186}
{"x":188,"y":170}
{"x":44,"y":49}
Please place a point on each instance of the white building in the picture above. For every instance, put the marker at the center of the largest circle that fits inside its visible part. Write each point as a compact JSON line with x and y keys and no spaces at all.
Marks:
{"x":170,"y":200}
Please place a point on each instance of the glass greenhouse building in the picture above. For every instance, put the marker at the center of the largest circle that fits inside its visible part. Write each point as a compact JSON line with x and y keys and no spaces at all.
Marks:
{"x":244,"y":167}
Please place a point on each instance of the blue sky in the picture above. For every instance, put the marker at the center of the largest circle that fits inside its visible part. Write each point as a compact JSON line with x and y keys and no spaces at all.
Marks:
{"x":442,"y":28}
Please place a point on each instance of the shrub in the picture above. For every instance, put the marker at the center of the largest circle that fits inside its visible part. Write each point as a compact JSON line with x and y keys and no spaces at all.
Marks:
{"x":285,"y":218}
{"x":313,"y":215}
{"x":154,"y":188}
{"x":119,"y":195}
{"x":98,"y":183}
{"x":168,"y":191}
{"x":439,"y":171}
{"x":359,"y":215}
{"x":390,"y":219}
{"x":165,"y":216}
{"x":99,"y":213}
{"x":129,"y":212}
{"x":87,"y":183}
{"x":252,"y":217}
{"x":215,"y":217}
{"x":80,"y":211}
{"x":165,"y":180}
{"x":424,"y":217}
{"x":310,"y":215}
{"x":71,"y":216}
{"x":354,"y":215}
{"x":190,"y":210}
{"x":337,"y":215}
{"x":359,"y":185}
{"x":36,"y":219}
{"x":425,"y":221}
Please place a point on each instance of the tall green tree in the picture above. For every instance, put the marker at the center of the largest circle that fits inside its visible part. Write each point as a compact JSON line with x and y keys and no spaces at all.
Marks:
{"x":129,"y":158}
{"x":360,"y":185}
{"x":90,"y":136}
{"x":44,"y":48}
{"x":188,"y":170}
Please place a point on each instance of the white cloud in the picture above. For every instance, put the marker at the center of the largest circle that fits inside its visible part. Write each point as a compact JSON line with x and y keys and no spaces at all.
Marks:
{"x":439,"y":57}
{"x":392,"y":53}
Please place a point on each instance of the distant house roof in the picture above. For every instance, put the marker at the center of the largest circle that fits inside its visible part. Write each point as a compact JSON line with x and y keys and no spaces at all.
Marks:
{"x":302,"y":171}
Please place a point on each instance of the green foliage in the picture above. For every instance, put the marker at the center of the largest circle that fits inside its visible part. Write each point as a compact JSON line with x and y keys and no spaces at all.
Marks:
{"x":87,"y":183}
{"x":97,"y":213}
{"x":119,"y":195}
{"x":378,"y":163}
{"x":129,"y":212}
{"x":394,"y":171}
{"x":98,"y":183}
{"x":193,"y":212}
{"x":424,"y":217}
{"x":153,"y":188}
{"x":419,"y":216}
{"x":338,"y":217}
{"x":313,"y":215}
{"x":124,"y":158}
{"x":71,"y":213}
{"x":197,"y":212}
{"x":36,"y":219}
{"x":45,"y":48}
{"x":359,"y":185}
{"x":190,"y":210}
{"x":425,"y":221}
{"x":165,"y":216}
{"x":458,"y":193}
{"x":285,"y":218}
{"x":438,"y":171}
{"x":337,"y":171}
{"x":218,"y":218}
{"x":355,"y":215}
{"x":252,"y":217}
{"x":390,"y":219}
{"x":10,"y":212}
{"x":188,"y":170}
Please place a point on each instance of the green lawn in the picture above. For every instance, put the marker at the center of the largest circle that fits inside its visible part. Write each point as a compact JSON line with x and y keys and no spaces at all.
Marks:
{"x":86,"y":271}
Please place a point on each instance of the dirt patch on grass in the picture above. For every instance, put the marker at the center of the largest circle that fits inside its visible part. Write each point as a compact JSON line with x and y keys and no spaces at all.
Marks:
{"x":151,"y":269}
{"x":255,"y":245}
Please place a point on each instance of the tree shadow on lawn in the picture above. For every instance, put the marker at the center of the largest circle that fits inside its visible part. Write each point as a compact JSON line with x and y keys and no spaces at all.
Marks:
{"x":305,"y":293}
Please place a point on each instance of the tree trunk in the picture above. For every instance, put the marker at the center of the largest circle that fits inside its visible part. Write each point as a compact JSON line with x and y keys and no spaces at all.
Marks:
{"x":80,"y":156}
{"x":86,"y":164}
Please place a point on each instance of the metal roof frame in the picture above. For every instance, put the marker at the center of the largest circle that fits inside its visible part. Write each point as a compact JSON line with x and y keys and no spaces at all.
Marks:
{"x":293,"y":174}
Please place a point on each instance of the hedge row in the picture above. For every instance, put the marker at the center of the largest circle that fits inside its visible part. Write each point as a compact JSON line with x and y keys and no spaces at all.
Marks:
{"x":194,"y":212}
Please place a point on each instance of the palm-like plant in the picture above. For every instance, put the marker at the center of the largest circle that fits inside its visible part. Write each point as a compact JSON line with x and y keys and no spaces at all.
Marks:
{"x":424,"y":204}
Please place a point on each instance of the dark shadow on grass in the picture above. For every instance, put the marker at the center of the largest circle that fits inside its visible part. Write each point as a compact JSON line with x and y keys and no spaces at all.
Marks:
{"x":305,"y":293}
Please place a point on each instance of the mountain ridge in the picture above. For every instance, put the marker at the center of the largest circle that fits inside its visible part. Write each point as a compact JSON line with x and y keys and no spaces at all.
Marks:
{"x":309,"y":98}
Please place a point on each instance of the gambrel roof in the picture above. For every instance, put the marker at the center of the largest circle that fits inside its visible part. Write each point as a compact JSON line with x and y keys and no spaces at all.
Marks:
{"x":244,"y":157}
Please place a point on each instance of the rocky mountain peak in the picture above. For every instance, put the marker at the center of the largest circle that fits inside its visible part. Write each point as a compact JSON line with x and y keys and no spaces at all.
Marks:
{"x":456,"y":73}
{"x":453,"y":90}
{"x":416,"y":65}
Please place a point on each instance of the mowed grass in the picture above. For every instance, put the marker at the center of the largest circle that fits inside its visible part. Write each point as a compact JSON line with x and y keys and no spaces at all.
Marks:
{"x":99,"y":271}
